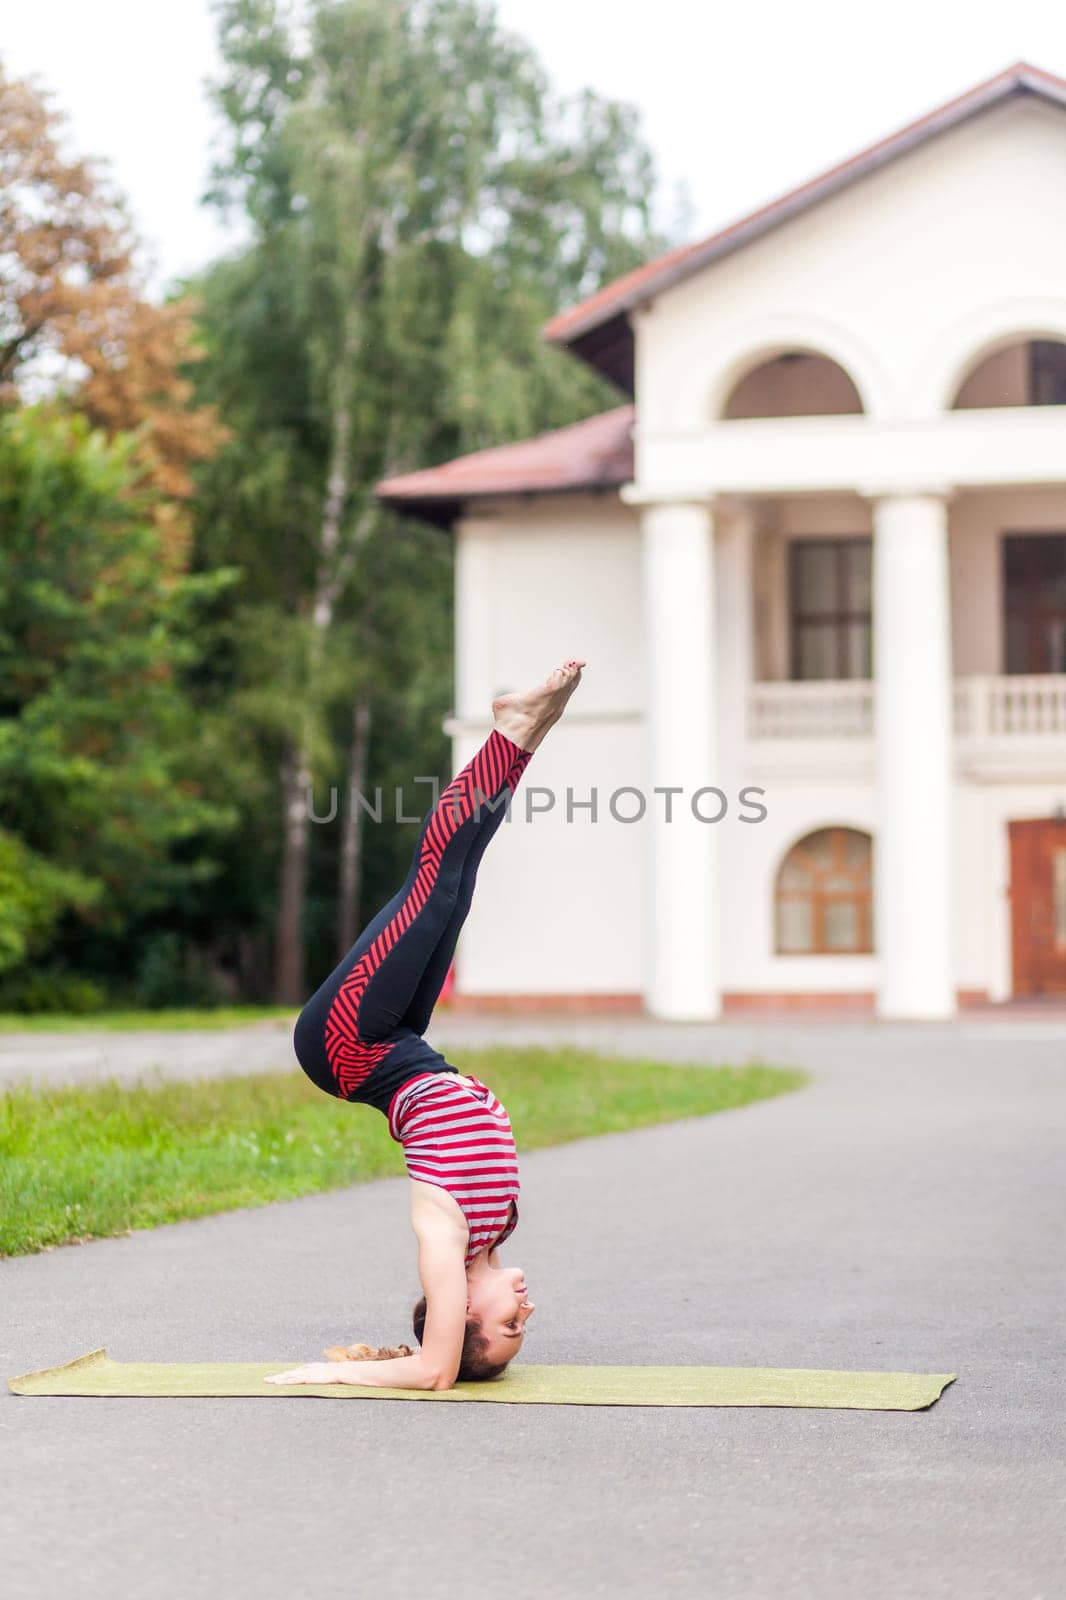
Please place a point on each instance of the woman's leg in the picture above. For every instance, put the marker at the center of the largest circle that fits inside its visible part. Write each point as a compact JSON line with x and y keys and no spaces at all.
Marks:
{"x":527,"y":719}
{"x":393,"y":974}
{"x":391,"y":969}
{"x":420,"y":1009}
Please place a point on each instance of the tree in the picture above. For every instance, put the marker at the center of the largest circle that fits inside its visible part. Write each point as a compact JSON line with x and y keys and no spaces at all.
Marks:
{"x":420,"y":203}
{"x":106,"y":809}
{"x":70,"y":294}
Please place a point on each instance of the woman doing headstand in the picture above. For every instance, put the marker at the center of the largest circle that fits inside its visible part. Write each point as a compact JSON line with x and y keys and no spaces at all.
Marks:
{"x":360,"y":1037}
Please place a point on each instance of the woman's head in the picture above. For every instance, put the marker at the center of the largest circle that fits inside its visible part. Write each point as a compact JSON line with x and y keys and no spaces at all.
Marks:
{"x":497,"y":1310}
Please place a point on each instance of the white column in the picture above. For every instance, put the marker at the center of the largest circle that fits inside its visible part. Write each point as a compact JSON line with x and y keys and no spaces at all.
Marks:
{"x":475,"y":663}
{"x":733,"y":669}
{"x":912,"y":669}
{"x":678,"y":581}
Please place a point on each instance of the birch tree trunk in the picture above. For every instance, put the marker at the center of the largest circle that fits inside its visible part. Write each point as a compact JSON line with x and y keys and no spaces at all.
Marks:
{"x":333,"y":568}
{"x":295,"y":778}
{"x":351,"y":874}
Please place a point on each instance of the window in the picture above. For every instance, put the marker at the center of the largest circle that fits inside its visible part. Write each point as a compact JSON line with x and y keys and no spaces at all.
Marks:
{"x":829,"y":582}
{"x":1034,"y":598}
{"x":1027,"y":372}
{"x":823,"y":895}
{"x":1047,"y":372}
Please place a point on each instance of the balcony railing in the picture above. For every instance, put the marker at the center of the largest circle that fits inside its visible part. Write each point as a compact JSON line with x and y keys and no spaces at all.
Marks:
{"x":1015,"y":707}
{"x":840,"y":709}
{"x":985,"y":708}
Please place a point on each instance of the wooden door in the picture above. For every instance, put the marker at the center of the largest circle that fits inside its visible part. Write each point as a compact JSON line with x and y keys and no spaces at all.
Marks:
{"x":1038,"y":905}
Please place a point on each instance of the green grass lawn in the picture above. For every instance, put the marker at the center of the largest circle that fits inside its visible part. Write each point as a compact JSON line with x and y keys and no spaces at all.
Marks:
{"x":87,"y":1163}
{"x":132,"y":1021}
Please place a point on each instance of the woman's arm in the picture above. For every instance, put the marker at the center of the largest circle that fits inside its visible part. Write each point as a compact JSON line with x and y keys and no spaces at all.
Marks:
{"x":400,"y":1372}
{"x":441,"y":1257}
{"x":441,"y":1251}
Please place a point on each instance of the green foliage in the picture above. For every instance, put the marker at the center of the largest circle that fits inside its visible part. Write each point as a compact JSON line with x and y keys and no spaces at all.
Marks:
{"x":103,"y":810}
{"x":47,"y":991}
{"x":173,"y":972}
{"x":409,"y":169}
{"x":33,"y":895}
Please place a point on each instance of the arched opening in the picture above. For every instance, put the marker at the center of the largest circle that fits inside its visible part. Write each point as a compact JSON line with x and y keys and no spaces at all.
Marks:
{"x":1022,"y":372}
{"x":823,"y":895}
{"x":796,"y":383}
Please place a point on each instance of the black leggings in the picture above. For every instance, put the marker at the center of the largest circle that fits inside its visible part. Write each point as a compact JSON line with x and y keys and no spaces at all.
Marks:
{"x":359,"y":1037}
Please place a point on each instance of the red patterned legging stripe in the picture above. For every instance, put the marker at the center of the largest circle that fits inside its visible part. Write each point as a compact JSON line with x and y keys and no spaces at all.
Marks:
{"x":496,"y":764}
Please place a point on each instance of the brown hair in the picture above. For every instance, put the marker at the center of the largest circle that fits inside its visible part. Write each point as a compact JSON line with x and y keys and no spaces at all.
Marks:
{"x":366,"y":1352}
{"x":474,"y":1364}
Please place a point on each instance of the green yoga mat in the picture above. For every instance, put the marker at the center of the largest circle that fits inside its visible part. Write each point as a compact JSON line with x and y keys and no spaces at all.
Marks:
{"x":96,"y":1374}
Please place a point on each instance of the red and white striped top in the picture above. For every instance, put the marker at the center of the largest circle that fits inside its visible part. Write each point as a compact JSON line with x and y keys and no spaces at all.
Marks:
{"x":456,"y":1134}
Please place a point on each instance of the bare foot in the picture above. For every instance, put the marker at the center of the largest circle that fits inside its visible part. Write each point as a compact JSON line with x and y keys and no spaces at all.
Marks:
{"x":526,"y":718}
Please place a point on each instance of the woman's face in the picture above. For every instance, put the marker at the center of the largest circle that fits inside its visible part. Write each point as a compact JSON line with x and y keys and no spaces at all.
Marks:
{"x":498,"y":1297}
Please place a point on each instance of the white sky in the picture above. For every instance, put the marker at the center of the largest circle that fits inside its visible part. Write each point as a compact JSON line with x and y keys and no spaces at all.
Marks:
{"x":739,"y":101}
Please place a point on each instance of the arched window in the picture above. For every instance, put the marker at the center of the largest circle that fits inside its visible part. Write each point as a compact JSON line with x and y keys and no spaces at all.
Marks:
{"x":822,"y":896}
{"x":796,"y":383}
{"x":1027,"y":372}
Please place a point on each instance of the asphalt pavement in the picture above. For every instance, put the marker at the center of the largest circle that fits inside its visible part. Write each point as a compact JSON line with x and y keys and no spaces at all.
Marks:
{"x":905,"y":1211}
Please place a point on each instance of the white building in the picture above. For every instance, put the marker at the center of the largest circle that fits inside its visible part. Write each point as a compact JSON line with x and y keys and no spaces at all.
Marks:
{"x":821,"y":554}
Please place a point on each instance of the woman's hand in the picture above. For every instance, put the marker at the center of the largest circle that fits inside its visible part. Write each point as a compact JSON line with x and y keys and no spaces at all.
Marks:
{"x":315,"y":1372}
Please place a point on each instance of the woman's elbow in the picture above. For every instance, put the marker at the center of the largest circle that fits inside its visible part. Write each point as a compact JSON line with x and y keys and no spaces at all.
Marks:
{"x":441,"y":1380}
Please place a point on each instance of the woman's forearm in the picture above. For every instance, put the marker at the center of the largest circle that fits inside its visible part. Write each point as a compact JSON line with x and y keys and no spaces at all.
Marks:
{"x":399,"y":1372}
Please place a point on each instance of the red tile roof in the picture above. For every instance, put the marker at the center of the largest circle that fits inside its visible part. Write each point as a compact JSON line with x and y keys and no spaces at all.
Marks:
{"x":594,"y":454}
{"x":615,"y":299}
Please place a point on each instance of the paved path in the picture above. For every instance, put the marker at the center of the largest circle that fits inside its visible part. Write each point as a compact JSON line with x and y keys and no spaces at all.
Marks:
{"x":88,"y":1057}
{"x":905,"y":1211}
{"x":180,"y":1052}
